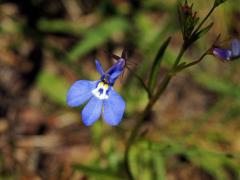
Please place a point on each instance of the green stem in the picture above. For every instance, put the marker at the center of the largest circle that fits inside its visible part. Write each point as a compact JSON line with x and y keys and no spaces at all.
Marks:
{"x":204,"y":19}
{"x":152,"y":101}
{"x":155,"y":96}
{"x":132,"y":139}
{"x":208,"y":51}
{"x":180,"y":54}
{"x":142,"y":83}
{"x":195,"y":62}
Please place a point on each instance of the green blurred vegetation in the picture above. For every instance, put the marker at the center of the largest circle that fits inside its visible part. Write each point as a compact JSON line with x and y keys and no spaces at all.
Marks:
{"x":193,"y":130}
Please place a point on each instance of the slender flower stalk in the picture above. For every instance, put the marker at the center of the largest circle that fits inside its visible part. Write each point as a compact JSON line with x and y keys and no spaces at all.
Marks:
{"x":190,"y":35}
{"x":204,"y":19}
{"x":134,"y":133}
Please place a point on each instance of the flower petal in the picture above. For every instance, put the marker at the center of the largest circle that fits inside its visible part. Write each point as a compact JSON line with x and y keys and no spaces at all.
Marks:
{"x":114,"y":76}
{"x":80,"y":92}
{"x":116,"y":70}
{"x":235,"y":46}
{"x":224,"y":54}
{"x":92,"y":111}
{"x":99,"y":67}
{"x":114,"y":108}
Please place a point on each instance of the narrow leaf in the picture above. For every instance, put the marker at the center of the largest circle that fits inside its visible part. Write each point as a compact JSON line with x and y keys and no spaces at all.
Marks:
{"x":221,"y":86}
{"x":200,"y":33}
{"x":97,"y":36}
{"x":97,"y":172}
{"x":157,"y":64}
{"x":61,"y":26}
{"x":53,"y":86}
{"x":218,"y":2}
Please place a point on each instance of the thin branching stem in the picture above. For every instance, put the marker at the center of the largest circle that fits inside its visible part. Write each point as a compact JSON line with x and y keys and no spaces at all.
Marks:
{"x":155,"y":96}
{"x":180,"y":54}
{"x":202,"y":56}
{"x":195,"y":62}
{"x":141,"y":82}
{"x":134,"y":133}
{"x":204,"y":19}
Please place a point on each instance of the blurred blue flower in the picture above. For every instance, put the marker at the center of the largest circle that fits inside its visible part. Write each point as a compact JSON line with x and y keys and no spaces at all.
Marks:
{"x":101,"y":96}
{"x":228,"y":54}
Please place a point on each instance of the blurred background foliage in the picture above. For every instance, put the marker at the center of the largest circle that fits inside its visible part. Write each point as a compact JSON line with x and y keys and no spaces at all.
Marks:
{"x":193,"y":131}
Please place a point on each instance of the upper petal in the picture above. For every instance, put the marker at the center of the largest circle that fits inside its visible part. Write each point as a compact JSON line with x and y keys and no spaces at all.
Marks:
{"x":80,"y":92}
{"x":92,"y":111}
{"x":222,"y":53}
{"x":116,"y":70}
{"x":235,"y":46}
{"x":112,"y":78}
{"x":113,"y":108}
{"x":99,"y":67}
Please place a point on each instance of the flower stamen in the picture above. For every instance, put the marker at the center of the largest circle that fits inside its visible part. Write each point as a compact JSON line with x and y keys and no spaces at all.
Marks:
{"x":101,"y":91}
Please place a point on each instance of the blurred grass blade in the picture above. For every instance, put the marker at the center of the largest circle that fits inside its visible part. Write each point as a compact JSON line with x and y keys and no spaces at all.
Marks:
{"x":220,"y":86}
{"x":159,"y":166}
{"x":61,"y":26}
{"x":53,"y":86}
{"x":97,"y":36}
{"x":157,"y":64}
{"x":96,"y":172}
{"x":211,"y":162}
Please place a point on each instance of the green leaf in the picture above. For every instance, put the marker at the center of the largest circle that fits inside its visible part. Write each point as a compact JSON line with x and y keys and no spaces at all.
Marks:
{"x":158,"y":165}
{"x":221,"y":86}
{"x":60,"y":26}
{"x":53,"y":86}
{"x":97,"y":36}
{"x":212,"y":162}
{"x":200,"y":33}
{"x":204,"y":30}
{"x":218,"y":2}
{"x":97,"y":172}
{"x":157,"y":64}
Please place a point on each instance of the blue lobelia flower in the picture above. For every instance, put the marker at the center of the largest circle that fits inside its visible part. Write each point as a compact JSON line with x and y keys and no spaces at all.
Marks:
{"x":101,"y":97}
{"x":228,"y":54}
